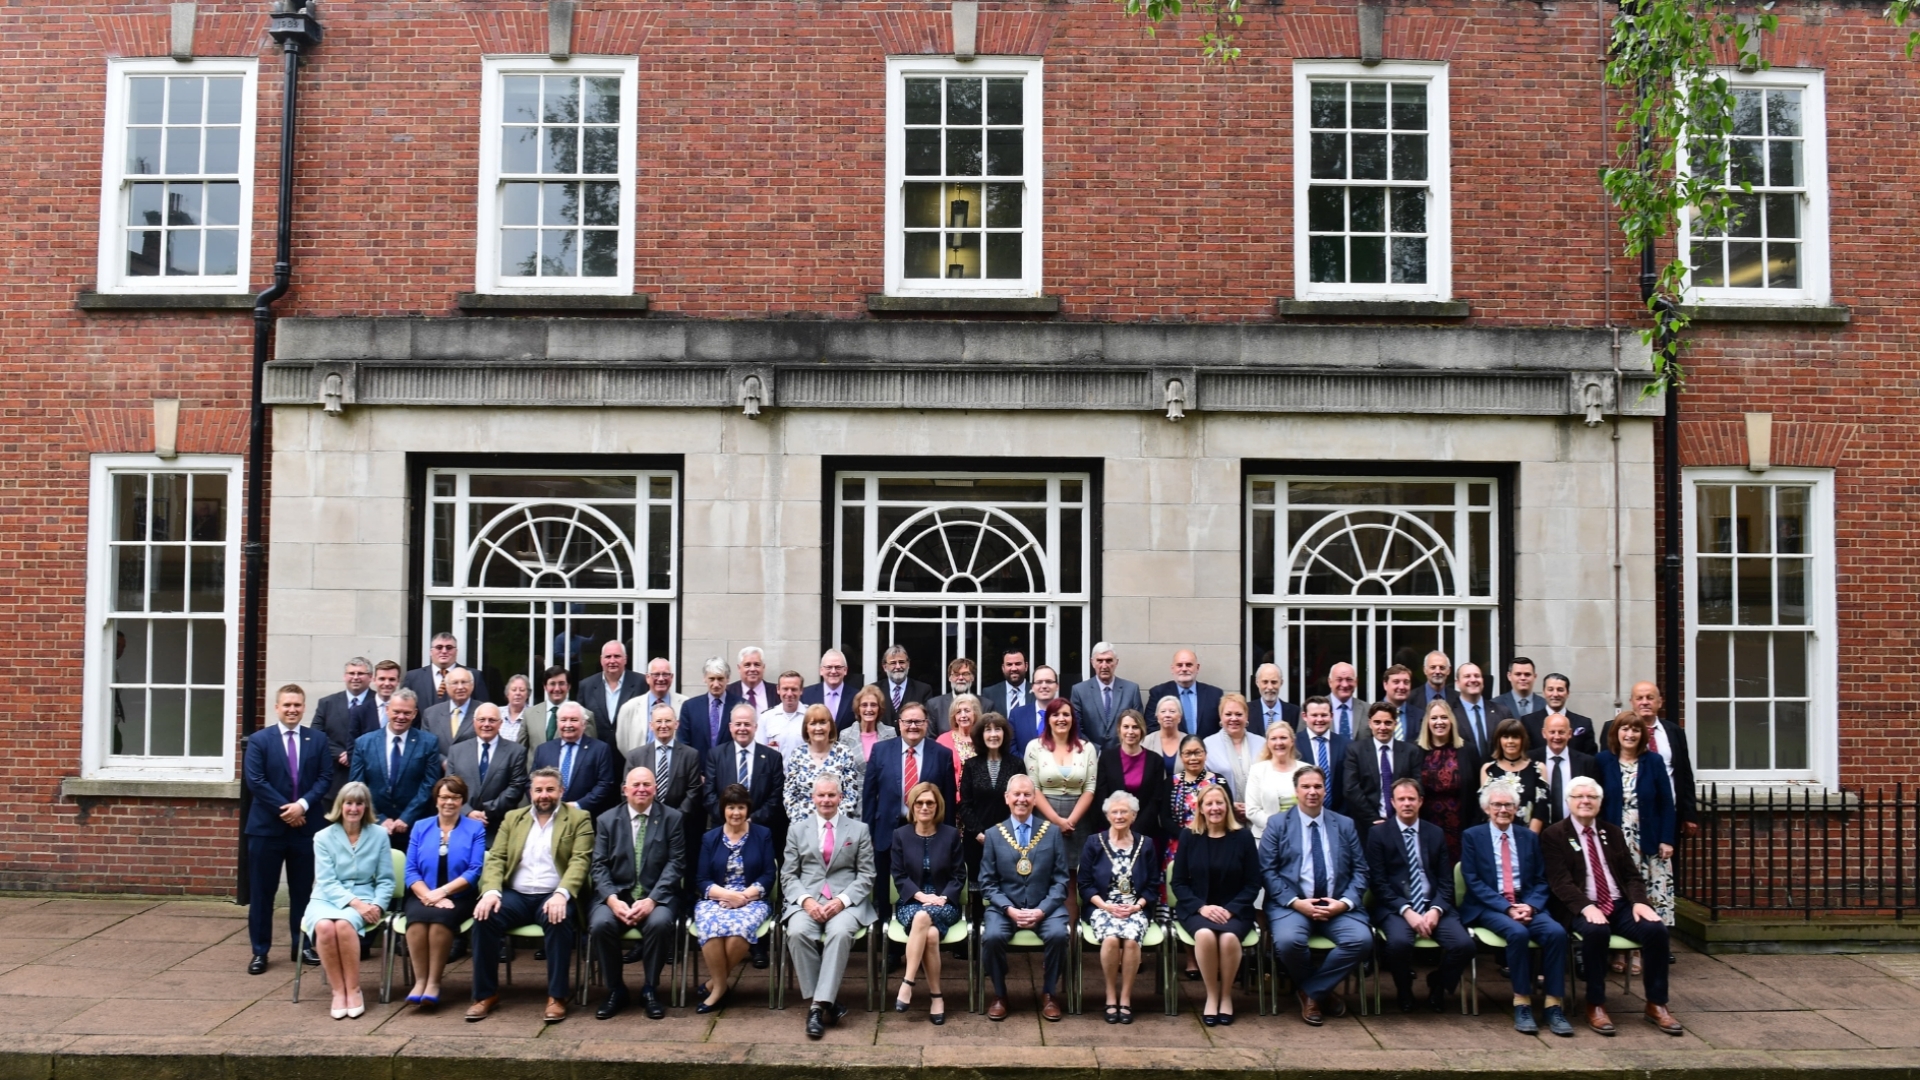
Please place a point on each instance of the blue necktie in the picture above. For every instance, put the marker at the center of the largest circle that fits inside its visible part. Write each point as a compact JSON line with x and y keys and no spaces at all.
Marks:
{"x":1319,"y":860}
{"x":393,"y":765}
{"x":566,"y":765}
{"x":1320,"y":751}
{"x":1479,"y":728}
{"x":1190,"y":711}
{"x":1386,"y":782}
{"x":1026,"y":832}
{"x":486,"y":752}
{"x":713,"y":719}
{"x":1346,"y":720}
{"x":1416,"y":876}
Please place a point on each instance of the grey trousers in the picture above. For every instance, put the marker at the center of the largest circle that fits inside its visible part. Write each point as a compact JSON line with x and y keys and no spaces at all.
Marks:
{"x":820,"y":952}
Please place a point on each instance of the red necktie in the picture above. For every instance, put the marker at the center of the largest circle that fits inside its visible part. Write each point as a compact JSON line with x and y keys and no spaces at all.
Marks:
{"x":1653,"y":736}
{"x":1506,"y":867}
{"x":1603,"y":896}
{"x":909,"y":772}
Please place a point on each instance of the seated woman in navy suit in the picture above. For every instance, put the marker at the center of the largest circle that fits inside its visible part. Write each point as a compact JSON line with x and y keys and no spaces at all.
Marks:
{"x":927,"y":866}
{"x":1215,"y":880}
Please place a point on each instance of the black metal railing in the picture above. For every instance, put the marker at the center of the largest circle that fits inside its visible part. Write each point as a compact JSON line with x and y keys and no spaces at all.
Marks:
{"x":1792,"y":852}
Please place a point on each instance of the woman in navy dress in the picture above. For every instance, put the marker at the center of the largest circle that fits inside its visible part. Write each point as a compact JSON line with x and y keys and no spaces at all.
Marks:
{"x":927,"y":864}
{"x":734,"y":882}
{"x":1215,"y":882}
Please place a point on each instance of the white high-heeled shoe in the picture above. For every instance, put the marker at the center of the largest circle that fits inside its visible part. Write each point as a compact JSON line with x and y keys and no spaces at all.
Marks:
{"x":357,"y":1011}
{"x":338,"y":1014}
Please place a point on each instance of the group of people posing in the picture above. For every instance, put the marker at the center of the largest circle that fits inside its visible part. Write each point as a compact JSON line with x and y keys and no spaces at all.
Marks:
{"x":623,"y":808}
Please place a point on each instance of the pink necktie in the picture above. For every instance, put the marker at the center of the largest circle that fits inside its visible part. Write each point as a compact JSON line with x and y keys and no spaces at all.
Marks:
{"x":1506,"y":867}
{"x":826,"y":860}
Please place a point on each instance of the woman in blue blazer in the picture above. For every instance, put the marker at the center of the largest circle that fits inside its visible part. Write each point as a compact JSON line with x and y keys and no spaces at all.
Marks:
{"x":444,"y":856}
{"x":1638,"y":797}
{"x":352,"y":890}
{"x":734,"y":882}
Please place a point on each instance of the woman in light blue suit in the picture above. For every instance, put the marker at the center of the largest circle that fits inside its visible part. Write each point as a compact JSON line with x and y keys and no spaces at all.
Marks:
{"x":352,"y":886}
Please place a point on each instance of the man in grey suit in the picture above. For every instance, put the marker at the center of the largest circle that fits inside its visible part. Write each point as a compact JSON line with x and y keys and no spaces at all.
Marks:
{"x":635,"y":893}
{"x":1023,"y":876}
{"x":827,"y":886}
{"x":960,"y":678}
{"x":494,"y":769}
{"x":1099,"y":701}
{"x":451,"y":720}
{"x":1315,"y":875}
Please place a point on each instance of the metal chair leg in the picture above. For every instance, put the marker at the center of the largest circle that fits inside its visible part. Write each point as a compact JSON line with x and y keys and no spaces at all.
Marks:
{"x":386,"y":969}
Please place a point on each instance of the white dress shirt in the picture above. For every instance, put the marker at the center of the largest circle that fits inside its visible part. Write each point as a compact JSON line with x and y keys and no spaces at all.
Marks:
{"x":780,"y":730}
{"x":537,"y":875}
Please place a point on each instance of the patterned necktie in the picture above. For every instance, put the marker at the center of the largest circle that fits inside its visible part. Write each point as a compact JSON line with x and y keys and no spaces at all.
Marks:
{"x":1479,"y":729}
{"x":1416,"y":874}
{"x":1507,"y":885}
{"x":826,"y":859}
{"x":661,"y":755}
{"x":740,"y":770}
{"x":1346,"y":719}
{"x":898,"y":690}
{"x":1653,"y":737}
{"x":566,"y":765}
{"x":1319,"y":859}
{"x":1025,"y":830}
{"x":1386,"y":779}
{"x":1603,"y":896}
{"x":1106,"y":701}
{"x":639,"y":836}
{"x":1320,"y":751}
{"x":909,"y":771}
{"x":486,"y":755}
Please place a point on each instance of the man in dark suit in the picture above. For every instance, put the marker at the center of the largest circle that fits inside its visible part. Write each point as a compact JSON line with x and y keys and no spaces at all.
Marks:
{"x":1667,"y":740}
{"x":1554,"y":691}
{"x":1349,"y":712}
{"x":428,"y":682}
{"x":589,"y":775}
{"x":289,"y":775}
{"x":1026,"y":719}
{"x":1412,"y":877}
{"x":605,"y":693}
{"x":1099,"y":701}
{"x":1396,"y":690}
{"x":1436,"y":688}
{"x":1519,"y":699}
{"x":347,"y":715}
{"x":1023,"y":880}
{"x":752,"y":686}
{"x":1562,"y":763}
{"x":893,"y":769}
{"x":1316,"y":875}
{"x":399,"y":765}
{"x":960,"y":680}
{"x":1267,"y":708}
{"x":1507,"y":893}
{"x":1473,"y":715}
{"x":1372,"y":765}
{"x":703,"y":719}
{"x":1199,"y":702}
{"x":832,"y":690}
{"x":1319,"y":745}
{"x":680,"y":775}
{"x":898,"y":687}
{"x":1598,"y":892}
{"x":1012,"y":690}
{"x":639,"y":858}
{"x":451,"y":720}
{"x":494,"y":770}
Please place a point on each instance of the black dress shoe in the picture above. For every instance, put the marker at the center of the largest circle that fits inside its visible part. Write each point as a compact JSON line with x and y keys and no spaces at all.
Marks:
{"x":257,"y":965}
{"x":631,"y":956}
{"x":540,"y":954}
{"x":655,"y":1010}
{"x":1405,"y":998}
{"x":611,"y":1007}
{"x":309,"y":957}
{"x":757,"y":952}
{"x":816,"y":1022}
{"x":1437,"y":999}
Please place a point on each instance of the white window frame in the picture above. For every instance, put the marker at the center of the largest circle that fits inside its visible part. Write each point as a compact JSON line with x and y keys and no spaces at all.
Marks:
{"x":1816,"y":285}
{"x":1823,"y":705}
{"x":899,"y":68}
{"x":1439,"y":283}
{"x":97,"y":762}
{"x":112,"y":276}
{"x":487,"y":277}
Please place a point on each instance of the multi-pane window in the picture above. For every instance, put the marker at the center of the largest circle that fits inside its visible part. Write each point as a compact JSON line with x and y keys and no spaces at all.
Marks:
{"x":557,"y":199}
{"x":1774,"y":243}
{"x":531,"y":569}
{"x":951,"y":565}
{"x":1757,"y":602}
{"x":1371,"y":178}
{"x":965,"y":170}
{"x":1373,"y":572}
{"x":178,"y":176}
{"x":164,"y":593}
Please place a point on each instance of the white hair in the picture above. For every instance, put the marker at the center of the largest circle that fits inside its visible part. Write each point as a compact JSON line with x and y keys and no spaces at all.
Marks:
{"x":827,"y":778}
{"x":715,"y":666}
{"x":1508,"y":784}
{"x":1585,"y":783}
{"x":1120,"y":798}
{"x":1103,"y":647}
{"x":751,"y":650}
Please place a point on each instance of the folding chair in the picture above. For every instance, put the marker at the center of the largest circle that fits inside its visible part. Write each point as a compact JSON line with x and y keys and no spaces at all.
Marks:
{"x":386,"y":919}
{"x":581,"y":946}
{"x":1252,"y":942}
{"x":397,"y":943}
{"x":960,"y":933}
{"x":1481,"y":936}
{"x":782,"y":962}
{"x":767,"y":932}
{"x":1615,"y":943}
{"x":1156,"y":939}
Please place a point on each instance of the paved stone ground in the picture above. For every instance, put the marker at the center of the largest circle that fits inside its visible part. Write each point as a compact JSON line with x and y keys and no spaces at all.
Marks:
{"x":121,"y":987}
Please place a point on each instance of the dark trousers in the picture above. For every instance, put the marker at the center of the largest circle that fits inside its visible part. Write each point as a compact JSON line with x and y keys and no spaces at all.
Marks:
{"x":1454,"y":953}
{"x":1542,"y":931}
{"x":656,"y":935}
{"x":1654,"y":946}
{"x":519,"y":909}
{"x":266,"y":855}
{"x":999,"y":930}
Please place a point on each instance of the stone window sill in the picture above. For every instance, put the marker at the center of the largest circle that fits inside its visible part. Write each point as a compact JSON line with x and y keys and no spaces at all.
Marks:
{"x":1012,"y":305}
{"x":74,"y":787}
{"x":485,"y":303}
{"x":1816,"y":314}
{"x":96,"y":301}
{"x":1373,"y":309}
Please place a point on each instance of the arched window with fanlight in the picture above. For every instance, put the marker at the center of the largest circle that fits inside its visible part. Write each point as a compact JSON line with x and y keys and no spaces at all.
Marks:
{"x":1372,"y":571}
{"x":950,"y":565}
{"x":530,"y":569}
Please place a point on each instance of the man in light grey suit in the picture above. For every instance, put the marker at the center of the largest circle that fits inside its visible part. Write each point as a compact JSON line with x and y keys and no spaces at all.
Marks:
{"x":494,"y":769}
{"x":451,"y":720}
{"x":636,"y":892}
{"x":827,"y":884}
{"x":1099,"y":701}
{"x":1315,"y":875}
{"x":1023,"y":876}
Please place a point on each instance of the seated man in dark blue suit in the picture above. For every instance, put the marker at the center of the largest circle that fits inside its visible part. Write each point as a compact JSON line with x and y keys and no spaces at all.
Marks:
{"x":1412,"y":876}
{"x":399,"y":765}
{"x":589,"y":773}
{"x":289,"y":774}
{"x":1507,"y":893}
{"x":1315,"y":875}
{"x":895,"y":766}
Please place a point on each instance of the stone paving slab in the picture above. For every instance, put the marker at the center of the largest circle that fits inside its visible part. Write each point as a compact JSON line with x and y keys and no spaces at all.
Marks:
{"x":121,"y":989}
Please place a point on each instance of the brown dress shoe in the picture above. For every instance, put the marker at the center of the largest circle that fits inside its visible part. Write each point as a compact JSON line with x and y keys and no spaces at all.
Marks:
{"x":1598,"y":1020}
{"x":482,"y":1009}
{"x":1310,"y":1010}
{"x":1049,"y":1008}
{"x":997,"y":1009}
{"x":556,"y":1010}
{"x":1659,"y":1017}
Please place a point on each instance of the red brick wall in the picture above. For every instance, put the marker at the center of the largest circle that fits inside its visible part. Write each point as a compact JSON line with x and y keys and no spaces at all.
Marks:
{"x":1168,"y":197}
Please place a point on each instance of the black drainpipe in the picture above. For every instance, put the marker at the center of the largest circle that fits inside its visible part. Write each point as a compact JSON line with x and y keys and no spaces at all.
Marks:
{"x":293,"y":25}
{"x":1670,"y":563}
